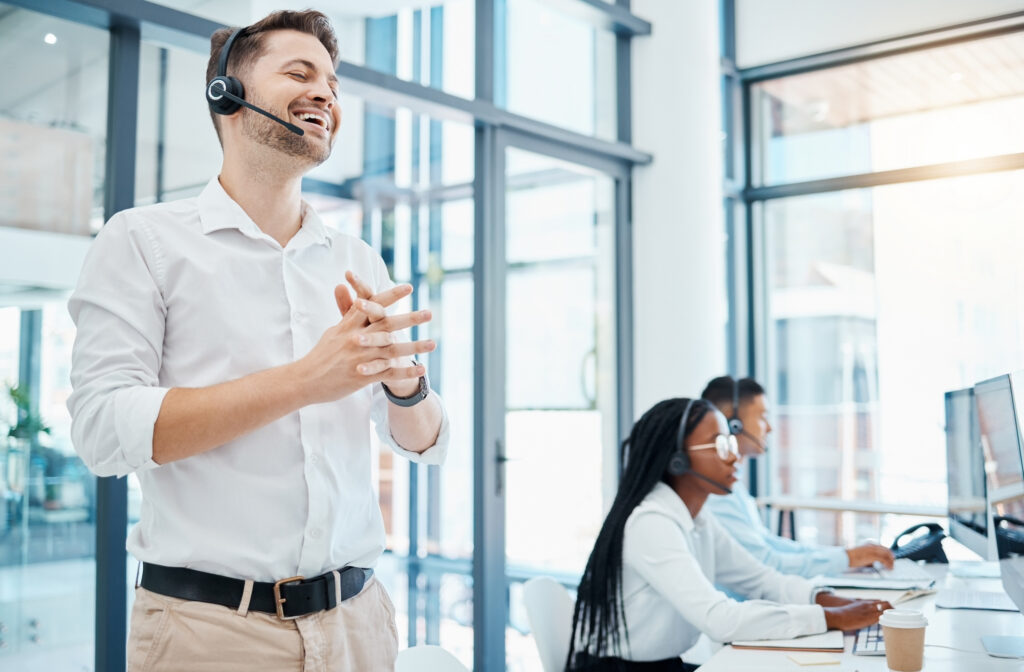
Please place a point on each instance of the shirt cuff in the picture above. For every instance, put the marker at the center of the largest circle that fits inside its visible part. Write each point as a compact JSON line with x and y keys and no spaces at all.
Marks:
{"x":436,"y":453}
{"x":135,"y":413}
{"x":811,"y":618}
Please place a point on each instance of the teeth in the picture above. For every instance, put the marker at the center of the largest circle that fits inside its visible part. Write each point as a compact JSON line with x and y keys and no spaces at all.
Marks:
{"x":309,"y":116}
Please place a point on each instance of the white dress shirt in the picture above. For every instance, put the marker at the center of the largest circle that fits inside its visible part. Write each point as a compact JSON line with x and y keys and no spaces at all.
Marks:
{"x":739,"y":516}
{"x":670,"y":563}
{"x":192,"y":293}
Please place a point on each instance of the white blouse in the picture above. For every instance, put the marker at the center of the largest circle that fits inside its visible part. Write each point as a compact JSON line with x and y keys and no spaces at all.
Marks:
{"x":671,"y":563}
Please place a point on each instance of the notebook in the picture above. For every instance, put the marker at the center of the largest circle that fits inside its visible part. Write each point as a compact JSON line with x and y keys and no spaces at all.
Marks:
{"x":831,"y":641}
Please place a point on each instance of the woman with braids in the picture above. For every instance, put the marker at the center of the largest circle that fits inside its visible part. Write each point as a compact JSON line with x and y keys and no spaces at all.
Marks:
{"x":648,"y":590}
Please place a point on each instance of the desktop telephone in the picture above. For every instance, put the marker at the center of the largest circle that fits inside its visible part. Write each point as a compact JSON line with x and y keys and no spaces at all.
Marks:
{"x":927,"y":547}
{"x":1009,"y":540}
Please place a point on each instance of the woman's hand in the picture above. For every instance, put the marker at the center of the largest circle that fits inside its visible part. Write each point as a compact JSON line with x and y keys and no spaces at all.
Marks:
{"x":855,"y":615}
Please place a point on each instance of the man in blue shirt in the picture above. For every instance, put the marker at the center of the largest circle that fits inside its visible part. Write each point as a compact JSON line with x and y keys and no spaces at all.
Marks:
{"x":744,"y":402}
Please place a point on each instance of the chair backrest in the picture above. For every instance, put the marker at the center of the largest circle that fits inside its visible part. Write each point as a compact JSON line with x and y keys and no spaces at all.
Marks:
{"x":427,"y":658}
{"x":549,"y":610}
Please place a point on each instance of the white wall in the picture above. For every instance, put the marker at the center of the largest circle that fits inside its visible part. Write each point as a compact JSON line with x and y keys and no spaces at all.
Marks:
{"x":678,"y":246}
{"x":775,"y":30}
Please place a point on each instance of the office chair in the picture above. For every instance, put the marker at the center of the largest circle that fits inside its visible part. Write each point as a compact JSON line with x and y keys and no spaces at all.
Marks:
{"x":427,"y":658}
{"x":549,"y":610}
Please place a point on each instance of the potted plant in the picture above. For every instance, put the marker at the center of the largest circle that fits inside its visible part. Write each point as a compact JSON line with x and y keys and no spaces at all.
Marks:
{"x":22,"y":437}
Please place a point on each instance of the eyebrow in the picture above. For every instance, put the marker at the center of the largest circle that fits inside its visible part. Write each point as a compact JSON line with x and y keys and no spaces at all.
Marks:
{"x":332,"y":78}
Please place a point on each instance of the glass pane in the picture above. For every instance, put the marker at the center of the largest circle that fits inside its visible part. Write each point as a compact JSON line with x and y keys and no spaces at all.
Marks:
{"x":430,"y":42}
{"x":53,"y":115}
{"x":558,"y":69}
{"x":561,"y":379}
{"x":177,"y":147}
{"x":879,"y":301}
{"x":956,"y":102}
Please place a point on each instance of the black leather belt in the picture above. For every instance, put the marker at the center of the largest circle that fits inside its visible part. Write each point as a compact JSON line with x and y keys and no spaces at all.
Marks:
{"x":288,"y":598}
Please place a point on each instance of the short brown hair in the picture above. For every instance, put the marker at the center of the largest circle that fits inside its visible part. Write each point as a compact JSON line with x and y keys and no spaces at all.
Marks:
{"x":251,"y":44}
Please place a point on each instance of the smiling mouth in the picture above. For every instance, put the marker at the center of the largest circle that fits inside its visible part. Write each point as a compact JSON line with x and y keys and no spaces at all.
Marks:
{"x":312,"y":120}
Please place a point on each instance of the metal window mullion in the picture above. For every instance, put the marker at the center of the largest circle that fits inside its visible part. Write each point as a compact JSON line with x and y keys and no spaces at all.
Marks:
{"x":489,"y":594}
{"x":111,"y":492}
{"x":624,"y":307}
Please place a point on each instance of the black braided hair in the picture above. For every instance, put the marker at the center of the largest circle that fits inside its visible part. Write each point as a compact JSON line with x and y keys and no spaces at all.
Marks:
{"x":599,"y":607}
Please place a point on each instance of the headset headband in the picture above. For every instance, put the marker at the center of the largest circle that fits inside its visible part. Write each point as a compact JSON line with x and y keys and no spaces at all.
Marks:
{"x":222,"y":62}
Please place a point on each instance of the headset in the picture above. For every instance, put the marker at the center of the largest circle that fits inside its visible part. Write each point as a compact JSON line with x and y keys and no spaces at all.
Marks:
{"x":735,"y":424}
{"x":679,"y":463}
{"x":225,"y":95}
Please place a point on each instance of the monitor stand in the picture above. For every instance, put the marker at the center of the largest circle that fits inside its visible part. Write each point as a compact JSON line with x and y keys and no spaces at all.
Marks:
{"x":1003,"y":646}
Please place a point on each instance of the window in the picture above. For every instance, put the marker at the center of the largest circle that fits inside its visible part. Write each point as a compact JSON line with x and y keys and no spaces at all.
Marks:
{"x":879,"y":299}
{"x":53,"y":113}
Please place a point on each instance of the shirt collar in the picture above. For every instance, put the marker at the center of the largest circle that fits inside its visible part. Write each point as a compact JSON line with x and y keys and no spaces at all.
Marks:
{"x":217,"y":210}
{"x":665,"y":498}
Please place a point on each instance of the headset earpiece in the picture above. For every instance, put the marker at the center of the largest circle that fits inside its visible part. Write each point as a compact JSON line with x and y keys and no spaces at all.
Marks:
{"x":220,"y":103}
{"x":735,"y":424}
{"x":679,"y":463}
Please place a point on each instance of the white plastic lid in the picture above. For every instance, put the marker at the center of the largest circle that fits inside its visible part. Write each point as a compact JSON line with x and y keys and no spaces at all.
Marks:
{"x":903,"y":618}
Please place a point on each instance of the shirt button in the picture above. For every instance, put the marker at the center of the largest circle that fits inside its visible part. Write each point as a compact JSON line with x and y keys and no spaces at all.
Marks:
{"x":315,"y":533}
{"x":298,"y":315}
{"x":314,"y":458}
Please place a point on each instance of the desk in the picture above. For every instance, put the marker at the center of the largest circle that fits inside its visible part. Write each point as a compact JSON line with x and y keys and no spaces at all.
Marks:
{"x":959,"y":628}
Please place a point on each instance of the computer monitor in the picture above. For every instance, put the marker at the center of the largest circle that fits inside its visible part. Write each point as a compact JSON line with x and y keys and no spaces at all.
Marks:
{"x":965,"y":467}
{"x":999,"y":427}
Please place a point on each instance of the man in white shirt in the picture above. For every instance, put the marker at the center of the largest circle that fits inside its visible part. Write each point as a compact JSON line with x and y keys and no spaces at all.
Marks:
{"x":221,"y":357}
{"x":745,"y":403}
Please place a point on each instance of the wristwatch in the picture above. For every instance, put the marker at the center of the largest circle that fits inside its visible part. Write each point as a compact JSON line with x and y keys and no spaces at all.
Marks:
{"x":413,"y":399}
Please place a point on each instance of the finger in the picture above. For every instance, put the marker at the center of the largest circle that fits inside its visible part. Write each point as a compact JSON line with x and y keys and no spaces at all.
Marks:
{"x":391,"y":296}
{"x":397,"y":373}
{"x":886,"y":605}
{"x":374,"y":367}
{"x":377,"y":339}
{"x":343,"y":298}
{"x":362,"y":289}
{"x":396,"y":350}
{"x":373,"y":310}
{"x":403,"y":321}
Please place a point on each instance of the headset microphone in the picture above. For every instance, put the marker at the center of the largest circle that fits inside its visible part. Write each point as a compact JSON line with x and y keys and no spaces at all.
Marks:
{"x":226,"y":94}
{"x":223,"y":92}
{"x":702,"y":477}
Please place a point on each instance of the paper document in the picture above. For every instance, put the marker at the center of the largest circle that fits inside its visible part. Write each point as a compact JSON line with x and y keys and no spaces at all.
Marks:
{"x":826,"y":641}
{"x":905,"y":574}
{"x":974,"y":599}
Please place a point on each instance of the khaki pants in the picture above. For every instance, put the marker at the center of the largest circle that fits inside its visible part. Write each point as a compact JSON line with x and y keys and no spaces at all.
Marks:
{"x":169,"y":634}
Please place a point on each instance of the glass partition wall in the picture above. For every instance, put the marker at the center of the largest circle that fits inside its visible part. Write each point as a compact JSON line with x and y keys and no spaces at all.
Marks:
{"x":494,"y":199}
{"x":882,"y":219}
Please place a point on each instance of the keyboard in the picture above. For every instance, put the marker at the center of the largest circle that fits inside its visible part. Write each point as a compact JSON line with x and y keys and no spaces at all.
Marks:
{"x":869,"y":642}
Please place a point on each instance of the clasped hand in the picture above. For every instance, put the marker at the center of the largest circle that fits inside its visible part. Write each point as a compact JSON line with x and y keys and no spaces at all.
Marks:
{"x":363,"y":348}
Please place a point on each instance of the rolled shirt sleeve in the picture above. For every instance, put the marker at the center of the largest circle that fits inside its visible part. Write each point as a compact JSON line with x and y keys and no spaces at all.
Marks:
{"x":119,"y":314}
{"x":657,"y":548}
{"x":435,"y":454}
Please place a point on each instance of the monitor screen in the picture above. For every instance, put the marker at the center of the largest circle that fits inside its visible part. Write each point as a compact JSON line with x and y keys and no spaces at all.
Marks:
{"x":1000,"y":438}
{"x":965,"y":466}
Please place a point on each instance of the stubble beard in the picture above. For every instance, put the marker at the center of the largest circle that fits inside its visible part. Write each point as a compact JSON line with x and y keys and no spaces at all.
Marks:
{"x":271,"y":134}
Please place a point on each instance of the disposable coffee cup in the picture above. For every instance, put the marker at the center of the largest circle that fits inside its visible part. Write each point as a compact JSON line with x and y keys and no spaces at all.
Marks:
{"x":903,"y":632}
